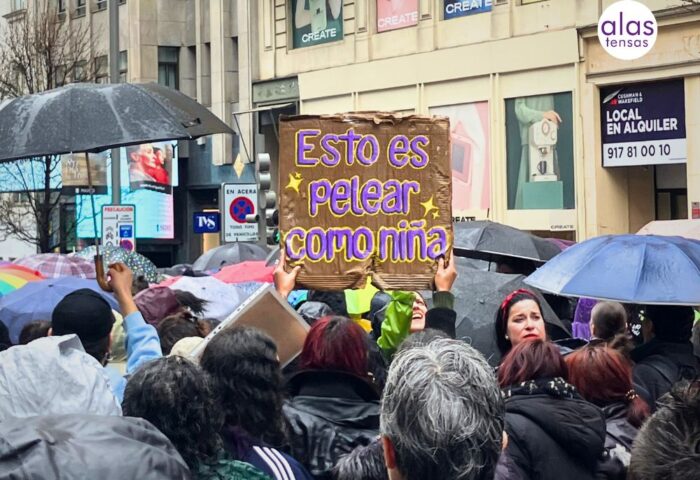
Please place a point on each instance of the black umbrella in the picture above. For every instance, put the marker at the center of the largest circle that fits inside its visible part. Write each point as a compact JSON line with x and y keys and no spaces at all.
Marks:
{"x":495,"y":242}
{"x":478,"y":296}
{"x":230,"y":254}
{"x":86,"y":117}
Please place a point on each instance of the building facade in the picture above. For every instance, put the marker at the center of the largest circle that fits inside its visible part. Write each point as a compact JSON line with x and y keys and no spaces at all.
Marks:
{"x":519,"y":80}
{"x":202,"y":48}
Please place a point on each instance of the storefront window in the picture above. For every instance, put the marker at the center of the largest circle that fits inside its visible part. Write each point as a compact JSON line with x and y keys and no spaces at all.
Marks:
{"x":540,"y":152}
{"x":471,"y":158}
{"x":316,"y":21}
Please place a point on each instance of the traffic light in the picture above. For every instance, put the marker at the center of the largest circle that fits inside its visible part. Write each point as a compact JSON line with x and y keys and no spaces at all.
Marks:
{"x":268,"y":199}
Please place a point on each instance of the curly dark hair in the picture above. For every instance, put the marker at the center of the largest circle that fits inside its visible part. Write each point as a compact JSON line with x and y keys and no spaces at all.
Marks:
{"x":246,"y":371}
{"x":174,"y":328}
{"x":177,"y":397}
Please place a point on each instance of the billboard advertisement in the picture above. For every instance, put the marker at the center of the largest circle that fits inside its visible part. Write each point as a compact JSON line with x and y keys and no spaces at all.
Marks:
{"x":643,"y":124}
{"x":315,"y":22}
{"x":154,"y":202}
{"x":395,"y":14}
{"x":74,"y":173}
{"x":471,"y":158}
{"x":462,"y":8}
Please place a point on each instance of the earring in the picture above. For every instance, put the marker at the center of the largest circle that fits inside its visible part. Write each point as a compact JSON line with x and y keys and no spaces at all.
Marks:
{"x":507,"y":337}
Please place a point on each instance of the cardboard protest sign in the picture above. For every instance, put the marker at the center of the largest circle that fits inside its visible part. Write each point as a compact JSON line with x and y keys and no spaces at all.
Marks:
{"x":365,"y":194}
{"x":266,"y":310}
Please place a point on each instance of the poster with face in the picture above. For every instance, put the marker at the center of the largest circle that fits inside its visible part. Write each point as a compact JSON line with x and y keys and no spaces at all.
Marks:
{"x":365,"y":195}
{"x":315,"y":22}
{"x":395,"y":14}
{"x":471,"y":158}
{"x":540,"y":152}
{"x":150,"y":166}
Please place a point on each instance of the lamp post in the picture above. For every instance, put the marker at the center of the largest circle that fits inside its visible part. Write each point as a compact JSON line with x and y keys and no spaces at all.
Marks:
{"x":114,"y":78}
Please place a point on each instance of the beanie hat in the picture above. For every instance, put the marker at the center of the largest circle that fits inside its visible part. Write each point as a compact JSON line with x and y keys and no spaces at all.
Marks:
{"x":85,"y":313}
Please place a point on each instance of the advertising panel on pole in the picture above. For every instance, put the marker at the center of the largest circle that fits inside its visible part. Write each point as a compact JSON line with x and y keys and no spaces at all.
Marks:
{"x":365,"y":195}
{"x":239,"y":201}
{"x":395,"y":14}
{"x":74,"y":174}
{"x":643,"y":124}
{"x":119,"y":226}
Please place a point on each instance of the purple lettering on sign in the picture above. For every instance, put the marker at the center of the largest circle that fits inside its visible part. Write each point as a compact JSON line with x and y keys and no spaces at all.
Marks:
{"x":362,"y":157}
{"x":350,"y":137}
{"x":340,"y":197}
{"x":416,"y":238}
{"x":398,"y":148}
{"x":293,"y":254}
{"x":437,"y":245}
{"x":391,"y":202}
{"x":332,"y":156}
{"x":302,"y":148}
{"x":408,"y":188}
{"x":360,"y":234}
{"x":388,"y":237}
{"x":316,"y":245}
{"x":418,"y":145}
{"x":341,"y":240}
{"x":319,"y":193}
{"x":371,"y":195}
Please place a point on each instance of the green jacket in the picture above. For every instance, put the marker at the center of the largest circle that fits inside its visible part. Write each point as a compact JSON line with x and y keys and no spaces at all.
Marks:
{"x":225,"y":468}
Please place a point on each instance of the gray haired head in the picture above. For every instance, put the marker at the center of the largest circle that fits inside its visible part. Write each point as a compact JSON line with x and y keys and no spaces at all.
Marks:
{"x":443,"y":412}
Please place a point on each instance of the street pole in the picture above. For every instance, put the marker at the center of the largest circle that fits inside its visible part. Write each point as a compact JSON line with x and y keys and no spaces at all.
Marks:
{"x":114,"y":78}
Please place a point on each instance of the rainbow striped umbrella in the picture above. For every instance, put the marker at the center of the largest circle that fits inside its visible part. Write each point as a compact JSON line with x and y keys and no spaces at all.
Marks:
{"x":13,"y":277}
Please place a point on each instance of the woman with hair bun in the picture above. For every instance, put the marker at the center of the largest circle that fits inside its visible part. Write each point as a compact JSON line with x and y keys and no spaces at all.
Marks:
{"x":603,"y":376}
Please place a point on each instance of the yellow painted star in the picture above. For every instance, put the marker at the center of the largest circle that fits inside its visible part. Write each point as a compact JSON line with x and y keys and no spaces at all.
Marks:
{"x":436,"y":214}
{"x":294,"y":181}
{"x":429,"y":206}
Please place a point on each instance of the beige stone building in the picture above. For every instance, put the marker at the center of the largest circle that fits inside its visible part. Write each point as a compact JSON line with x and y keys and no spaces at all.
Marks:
{"x":497,"y":72}
{"x":201,"y":47}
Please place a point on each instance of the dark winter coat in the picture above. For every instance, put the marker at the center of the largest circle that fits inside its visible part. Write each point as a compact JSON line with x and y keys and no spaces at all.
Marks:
{"x":553,"y":433}
{"x":659,"y":365}
{"x":620,"y":435}
{"x":330,"y":413}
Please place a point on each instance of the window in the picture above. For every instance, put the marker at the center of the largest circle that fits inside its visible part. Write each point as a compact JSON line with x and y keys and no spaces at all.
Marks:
{"x":19,"y":5}
{"x":167,"y":66}
{"x":79,"y":8}
{"x":101,"y":69}
{"x":123,"y":65}
{"x":79,"y":71}
{"x":61,"y":6}
{"x":100,"y":5}
{"x":527,"y":2}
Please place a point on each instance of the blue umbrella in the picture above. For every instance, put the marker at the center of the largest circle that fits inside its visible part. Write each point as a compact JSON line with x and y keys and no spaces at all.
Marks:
{"x":644,"y":269}
{"x":36,"y":301}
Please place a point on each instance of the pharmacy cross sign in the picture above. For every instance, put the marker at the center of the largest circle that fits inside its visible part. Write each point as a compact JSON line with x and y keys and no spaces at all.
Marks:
{"x":365,"y":195}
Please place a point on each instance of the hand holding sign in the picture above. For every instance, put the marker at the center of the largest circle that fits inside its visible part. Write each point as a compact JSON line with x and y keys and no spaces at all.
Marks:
{"x":284,"y":282}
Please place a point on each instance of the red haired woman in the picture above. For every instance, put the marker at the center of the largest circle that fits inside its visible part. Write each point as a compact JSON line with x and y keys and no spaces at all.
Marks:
{"x":604,"y":377}
{"x":334,"y":405}
{"x":553,"y":432}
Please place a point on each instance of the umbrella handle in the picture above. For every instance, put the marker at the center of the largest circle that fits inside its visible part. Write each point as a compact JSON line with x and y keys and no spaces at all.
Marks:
{"x":101,"y":277}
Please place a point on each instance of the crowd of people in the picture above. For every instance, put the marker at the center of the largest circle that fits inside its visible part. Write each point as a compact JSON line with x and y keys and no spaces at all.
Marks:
{"x":396,"y":396}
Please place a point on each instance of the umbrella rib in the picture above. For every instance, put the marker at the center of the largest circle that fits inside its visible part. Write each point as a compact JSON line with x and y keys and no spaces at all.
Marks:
{"x":640,"y":268}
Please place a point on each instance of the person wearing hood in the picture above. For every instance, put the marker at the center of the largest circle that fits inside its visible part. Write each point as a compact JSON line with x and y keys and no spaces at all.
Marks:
{"x":89,"y":316}
{"x":603,"y":376}
{"x":53,"y":376}
{"x":553,"y":432}
{"x":82,"y":446}
{"x":667,"y":356}
{"x":333,"y":406}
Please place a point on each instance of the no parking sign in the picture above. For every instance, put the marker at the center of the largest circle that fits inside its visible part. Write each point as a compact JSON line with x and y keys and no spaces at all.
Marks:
{"x":239,"y":200}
